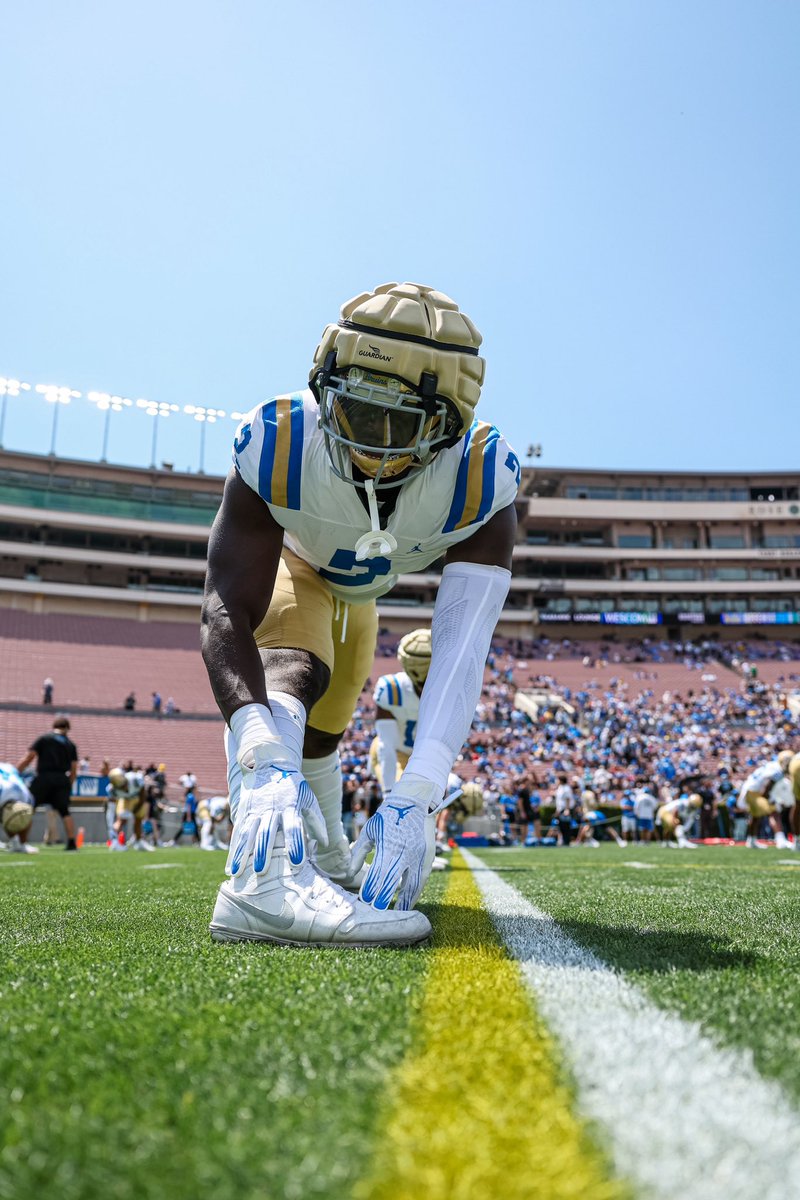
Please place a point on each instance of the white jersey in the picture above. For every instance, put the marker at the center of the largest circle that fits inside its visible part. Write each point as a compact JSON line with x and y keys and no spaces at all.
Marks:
{"x":396,"y":694}
{"x":763,"y":776}
{"x":679,"y":808}
{"x":134,"y":782}
{"x":279,"y":452}
{"x":218,"y":808}
{"x":645,"y":805}
{"x":782,"y":795}
{"x":12,"y":785}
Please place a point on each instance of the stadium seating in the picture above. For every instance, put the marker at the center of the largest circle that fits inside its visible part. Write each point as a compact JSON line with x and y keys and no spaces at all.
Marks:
{"x":97,"y":661}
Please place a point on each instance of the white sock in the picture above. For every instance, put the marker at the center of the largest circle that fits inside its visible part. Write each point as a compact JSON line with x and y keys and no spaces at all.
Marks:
{"x":289,"y":716}
{"x":324,"y":777}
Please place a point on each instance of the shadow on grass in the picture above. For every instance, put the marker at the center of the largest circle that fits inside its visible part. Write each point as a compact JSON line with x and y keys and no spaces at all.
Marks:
{"x":625,"y":947}
{"x":632,"y":948}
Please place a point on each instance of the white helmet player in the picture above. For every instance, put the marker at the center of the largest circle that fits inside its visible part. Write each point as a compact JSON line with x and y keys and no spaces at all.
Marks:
{"x":396,"y":380}
{"x":414,"y":655}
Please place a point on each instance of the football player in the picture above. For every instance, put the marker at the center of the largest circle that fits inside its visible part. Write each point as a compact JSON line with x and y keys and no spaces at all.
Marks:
{"x":671,"y":817}
{"x":16,"y":810}
{"x":126,"y":789}
{"x":378,"y":469}
{"x":397,"y":703}
{"x":794,"y":776}
{"x":397,"y":708}
{"x":760,"y":796}
{"x":210,"y":817}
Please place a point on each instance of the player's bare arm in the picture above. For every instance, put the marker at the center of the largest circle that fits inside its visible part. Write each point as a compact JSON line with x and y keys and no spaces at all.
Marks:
{"x":492,"y":544}
{"x":243,"y":554}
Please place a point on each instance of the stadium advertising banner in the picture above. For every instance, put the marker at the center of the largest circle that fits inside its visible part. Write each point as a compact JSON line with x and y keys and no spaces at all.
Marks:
{"x":760,"y":618}
{"x":618,"y":618}
{"x":604,"y":618}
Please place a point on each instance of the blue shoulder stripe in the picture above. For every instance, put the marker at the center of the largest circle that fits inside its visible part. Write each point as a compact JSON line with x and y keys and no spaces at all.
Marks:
{"x":280,"y":465}
{"x":473,"y":495}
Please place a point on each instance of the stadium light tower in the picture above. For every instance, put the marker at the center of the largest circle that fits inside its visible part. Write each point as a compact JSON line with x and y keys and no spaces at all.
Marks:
{"x":9,"y":387}
{"x":108,"y":404}
{"x":56,"y":396}
{"x":156,"y":409}
{"x":206,"y":416}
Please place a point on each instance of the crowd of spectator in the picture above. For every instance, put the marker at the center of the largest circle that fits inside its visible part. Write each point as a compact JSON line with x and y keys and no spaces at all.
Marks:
{"x":602,"y":741}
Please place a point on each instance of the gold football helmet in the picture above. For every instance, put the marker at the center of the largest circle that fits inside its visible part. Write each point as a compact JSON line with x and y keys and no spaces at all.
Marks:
{"x":471,"y":799}
{"x":16,"y":816}
{"x":117,"y":778}
{"x":397,"y":380}
{"x":784,"y":759}
{"x":414,"y":655}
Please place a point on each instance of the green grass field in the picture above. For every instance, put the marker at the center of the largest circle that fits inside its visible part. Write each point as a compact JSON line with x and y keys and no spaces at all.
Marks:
{"x":139,"y":1059}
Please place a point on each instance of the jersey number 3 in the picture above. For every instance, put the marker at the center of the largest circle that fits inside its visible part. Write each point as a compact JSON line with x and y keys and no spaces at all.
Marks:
{"x":345,"y":560}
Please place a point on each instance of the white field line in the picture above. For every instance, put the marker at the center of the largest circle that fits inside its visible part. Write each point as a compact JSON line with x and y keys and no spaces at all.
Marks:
{"x":685,"y":1119}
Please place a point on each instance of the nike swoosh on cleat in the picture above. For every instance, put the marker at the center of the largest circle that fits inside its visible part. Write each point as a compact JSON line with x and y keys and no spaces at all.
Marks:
{"x":283,"y":920}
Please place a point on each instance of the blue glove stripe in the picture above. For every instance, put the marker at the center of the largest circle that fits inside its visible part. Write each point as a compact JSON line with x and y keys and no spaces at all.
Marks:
{"x":239,"y":853}
{"x":374,"y":832}
{"x":369,"y":886}
{"x":374,"y":828}
{"x":296,"y":847}
{"x":305,"y":796}
{"x":384,"y":896}
{"x":260,"y":856}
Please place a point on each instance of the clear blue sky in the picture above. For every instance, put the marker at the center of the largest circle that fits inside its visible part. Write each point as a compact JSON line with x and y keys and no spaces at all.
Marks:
{"x":610,"y":189}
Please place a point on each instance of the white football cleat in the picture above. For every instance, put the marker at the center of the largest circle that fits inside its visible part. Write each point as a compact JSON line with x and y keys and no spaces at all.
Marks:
{"x":298,"y":906}
{"x":439,"y":864}
{"x":18,"y":847}
{"x":334,"y":861}
{"x":141,"y":844}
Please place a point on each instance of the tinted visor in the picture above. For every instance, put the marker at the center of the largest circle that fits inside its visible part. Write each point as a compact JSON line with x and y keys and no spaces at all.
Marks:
{"x":372,"y":425}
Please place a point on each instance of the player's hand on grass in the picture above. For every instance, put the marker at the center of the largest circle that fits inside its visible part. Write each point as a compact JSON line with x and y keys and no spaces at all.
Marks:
{"x":403,"y":837}
{"x":273,"y":798}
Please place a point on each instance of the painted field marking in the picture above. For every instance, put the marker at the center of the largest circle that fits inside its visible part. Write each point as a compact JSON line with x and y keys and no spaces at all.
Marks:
{"x":480,"y":1107}
{"x":640,"y":866}
{"x":161,"y":866}
{"x":683,"y":1117}
{"x":26,"y":863}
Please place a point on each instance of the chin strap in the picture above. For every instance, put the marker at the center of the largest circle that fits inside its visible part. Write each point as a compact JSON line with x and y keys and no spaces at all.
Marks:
{"x":378,"y":543}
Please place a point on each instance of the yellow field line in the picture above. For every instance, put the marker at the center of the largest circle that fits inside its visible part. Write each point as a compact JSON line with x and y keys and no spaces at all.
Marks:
{"x":480,"y":1111}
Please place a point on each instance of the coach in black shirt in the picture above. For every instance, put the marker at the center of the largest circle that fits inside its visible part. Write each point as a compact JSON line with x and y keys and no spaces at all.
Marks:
{"x":56,"y":767}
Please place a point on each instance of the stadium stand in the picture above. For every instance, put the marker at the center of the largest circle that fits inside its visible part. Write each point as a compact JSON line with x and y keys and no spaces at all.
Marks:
{"x":97,"y":661}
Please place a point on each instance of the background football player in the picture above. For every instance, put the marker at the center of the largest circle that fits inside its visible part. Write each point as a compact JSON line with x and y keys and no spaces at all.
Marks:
{"x":211,"y":817}
{"x":396,"y":700}
{"x":126,"y":789}
{"x":759,"y":796}
{"x":16,"y":810}
{"x":378,"y":469}
{"x":672,"y":818}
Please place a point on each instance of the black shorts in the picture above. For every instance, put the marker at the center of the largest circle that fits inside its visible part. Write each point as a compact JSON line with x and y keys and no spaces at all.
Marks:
{"x":53,"y":788}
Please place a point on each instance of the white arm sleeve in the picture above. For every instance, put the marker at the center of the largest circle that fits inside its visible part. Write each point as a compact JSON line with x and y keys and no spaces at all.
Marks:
{"x":387,"y":731}
{"x":468,"y":604}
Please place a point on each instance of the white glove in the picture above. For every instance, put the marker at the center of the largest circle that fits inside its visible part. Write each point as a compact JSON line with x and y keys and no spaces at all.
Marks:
{"x":273,"y":798}
{"x":403,"y":837}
